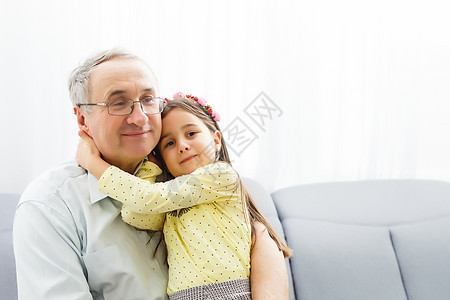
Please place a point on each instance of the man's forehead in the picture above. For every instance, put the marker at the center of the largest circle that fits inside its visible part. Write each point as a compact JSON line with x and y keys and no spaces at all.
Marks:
{"x":117,"y":76}
{"x":122,"y":66}
{"x":121,"y":92}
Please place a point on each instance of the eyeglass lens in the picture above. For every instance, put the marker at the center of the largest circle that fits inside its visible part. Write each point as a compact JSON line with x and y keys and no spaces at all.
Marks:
{"x":124,"y":106}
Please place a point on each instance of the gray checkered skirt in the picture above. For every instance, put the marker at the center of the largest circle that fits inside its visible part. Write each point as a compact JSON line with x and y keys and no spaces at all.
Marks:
{"x":237,"y":289}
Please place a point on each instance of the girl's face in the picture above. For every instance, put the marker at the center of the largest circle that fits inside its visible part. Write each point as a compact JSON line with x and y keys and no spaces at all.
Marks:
{"x":186,"y":143}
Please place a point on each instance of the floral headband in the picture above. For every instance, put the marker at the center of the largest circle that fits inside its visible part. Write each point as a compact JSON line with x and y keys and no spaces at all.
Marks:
{"x":206,"y":107}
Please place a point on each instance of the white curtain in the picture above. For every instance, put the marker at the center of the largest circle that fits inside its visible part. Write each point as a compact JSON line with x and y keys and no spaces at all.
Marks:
{"x":309,"y":91}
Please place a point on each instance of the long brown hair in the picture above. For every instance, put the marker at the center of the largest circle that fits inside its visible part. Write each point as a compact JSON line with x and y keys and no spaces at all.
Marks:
{"x":197,"y":110}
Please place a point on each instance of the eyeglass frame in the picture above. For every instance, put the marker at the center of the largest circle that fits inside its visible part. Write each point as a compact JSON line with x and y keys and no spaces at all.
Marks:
{"x":161,"y":105}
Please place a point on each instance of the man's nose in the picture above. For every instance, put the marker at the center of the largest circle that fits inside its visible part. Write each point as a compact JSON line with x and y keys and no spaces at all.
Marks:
{"x":137,"y":115}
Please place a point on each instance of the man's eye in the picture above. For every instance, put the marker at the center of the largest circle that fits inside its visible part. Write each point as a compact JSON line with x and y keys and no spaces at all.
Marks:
{"x":118,"y":102}
{"x":148,"y":101}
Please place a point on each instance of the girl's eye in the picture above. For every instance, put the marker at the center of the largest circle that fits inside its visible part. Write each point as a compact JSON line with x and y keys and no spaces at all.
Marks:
{"x":191,"y":133}
{"x":169,"y":144}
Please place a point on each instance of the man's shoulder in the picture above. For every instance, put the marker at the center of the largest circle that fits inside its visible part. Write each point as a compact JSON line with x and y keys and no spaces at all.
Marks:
{"x":55,"y":183}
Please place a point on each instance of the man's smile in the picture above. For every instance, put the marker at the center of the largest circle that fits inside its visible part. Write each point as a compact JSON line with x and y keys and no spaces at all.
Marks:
{"x":139,"y":133}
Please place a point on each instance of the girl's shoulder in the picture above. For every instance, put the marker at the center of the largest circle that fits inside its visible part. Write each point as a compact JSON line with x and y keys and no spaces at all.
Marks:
{"x":216,"y":172}
{"x":216,"y":168}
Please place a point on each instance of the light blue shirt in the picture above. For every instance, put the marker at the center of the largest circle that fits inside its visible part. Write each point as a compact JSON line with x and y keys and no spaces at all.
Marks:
{"x":70,"y":243}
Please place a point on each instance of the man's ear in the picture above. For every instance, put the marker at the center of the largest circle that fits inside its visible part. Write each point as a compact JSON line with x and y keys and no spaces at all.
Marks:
{"x":217,"y":140}
{"x":81,"y":119}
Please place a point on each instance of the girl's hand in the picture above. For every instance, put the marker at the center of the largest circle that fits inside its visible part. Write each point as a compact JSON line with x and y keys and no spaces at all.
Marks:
{"x":87,"y":151}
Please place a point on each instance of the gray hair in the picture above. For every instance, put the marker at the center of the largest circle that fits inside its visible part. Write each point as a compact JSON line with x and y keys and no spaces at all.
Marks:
{"x":79,"y":78}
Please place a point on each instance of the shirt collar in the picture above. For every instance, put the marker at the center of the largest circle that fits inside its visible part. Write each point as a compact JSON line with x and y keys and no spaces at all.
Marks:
{"x":94,"y":193}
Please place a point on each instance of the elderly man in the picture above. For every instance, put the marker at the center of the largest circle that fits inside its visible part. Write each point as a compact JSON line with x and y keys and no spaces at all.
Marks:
{"x":69,"y":239}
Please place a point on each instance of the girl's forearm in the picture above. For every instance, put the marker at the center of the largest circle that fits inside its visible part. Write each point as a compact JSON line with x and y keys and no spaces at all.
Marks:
{"x":269,"y":279}
{"x":97,"y":166}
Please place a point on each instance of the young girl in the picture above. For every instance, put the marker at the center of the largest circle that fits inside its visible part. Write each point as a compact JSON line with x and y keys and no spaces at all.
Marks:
{"x":205,"y":212}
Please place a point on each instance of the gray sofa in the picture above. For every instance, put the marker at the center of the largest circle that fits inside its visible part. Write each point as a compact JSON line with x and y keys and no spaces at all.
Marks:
{"x":381,"y":239}
{"x":8,"y":286}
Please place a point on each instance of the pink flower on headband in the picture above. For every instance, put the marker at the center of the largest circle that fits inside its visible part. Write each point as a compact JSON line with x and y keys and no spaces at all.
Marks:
{"x":215,"y":115}
{"x":206,"y":107}
{"x":179,"y":95}
{"x":201,"y":101}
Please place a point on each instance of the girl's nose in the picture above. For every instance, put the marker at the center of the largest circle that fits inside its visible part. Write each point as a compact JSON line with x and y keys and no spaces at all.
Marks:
{"x":184,"y":148}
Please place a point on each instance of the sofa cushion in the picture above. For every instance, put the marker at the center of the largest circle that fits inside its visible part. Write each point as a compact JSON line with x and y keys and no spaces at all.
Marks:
{"x":8,"y":285}
{"x":340,"y":261}
{"x":378,"y":239}
{"x":423,"y":252}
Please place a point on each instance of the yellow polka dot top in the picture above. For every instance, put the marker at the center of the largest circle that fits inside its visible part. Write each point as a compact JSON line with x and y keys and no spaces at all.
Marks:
{"x":205,"y":229}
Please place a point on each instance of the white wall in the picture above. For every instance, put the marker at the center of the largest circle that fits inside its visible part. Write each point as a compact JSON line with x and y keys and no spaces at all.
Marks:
{"x":363,"y":87}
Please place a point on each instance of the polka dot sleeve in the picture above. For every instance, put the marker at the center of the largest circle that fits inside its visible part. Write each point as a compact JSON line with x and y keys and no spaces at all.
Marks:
{"x":142,"y":221}
{"x":144,"y":197}
{"x":148,"y":171}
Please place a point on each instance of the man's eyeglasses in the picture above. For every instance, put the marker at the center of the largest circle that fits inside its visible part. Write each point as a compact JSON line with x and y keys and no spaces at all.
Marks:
{"x":122,"y":106}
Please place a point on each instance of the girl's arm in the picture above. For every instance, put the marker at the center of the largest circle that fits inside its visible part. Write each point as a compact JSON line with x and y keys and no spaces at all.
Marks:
{"x":142,"y":221}
{"x":145,"y":221}
{"x":88,"y":156}
{"x":268,"y":276}
{"x":214,"y":182}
